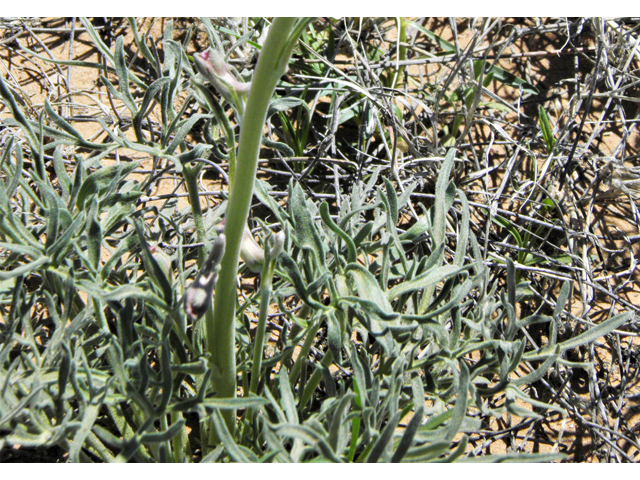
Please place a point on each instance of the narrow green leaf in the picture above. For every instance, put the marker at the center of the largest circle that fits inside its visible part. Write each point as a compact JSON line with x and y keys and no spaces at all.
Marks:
{"x":61,"y":173}
{"x":503,"y":76}
{"x":326,"y":218}
{"x":448,"y":47}
{"x":17,"y":172}
{"x":234,"y":403}
{"x":229,"y":443}
{"x":547,"y":130}
{"x":121,"y":292}
{"x":291,"y":268}
{"x":372,"y":308}
{"x":463,"y":237}
{"x":459,"y":451}
{"x":261,"y":192}
{"x":149,"y":96}
{"x":384,"y":439}
{"x":337,"y":423}
{"x":286,"y":397}
{"x":22,"y":249}
{"x":538,"y":373}
{"x":68,"y":128}
{"x":306,"y":232}
{"x":309,"y":436}
{"x":440,"y":210}
{"x":94,"y":235}
{"x":460,"y":407}
{"x":8,"y":416}
{"x":123,"y":76}
{"x":89,"y":417}
{"x":166,"y":436}
{"x":563,"y":296}
{"x":98,"y":182}
{"x":153,"y":269}
{"x":511,"y":282}
{"x":427,"y":452}
{"x":368,"y":288}
{"x":392,"y":198}
{"x":213,"y":456}
{"x":283,"y":104}
{"x":596,"y":332}
{"x":334,"y":334}
{"x":165,"y":370}
{"x":18,"y":115}
{"x":425,"y":280}
{"x":503,"y":222}
{"x":97,"y":41}
{"x":63,"y":243}
{"x":359,"y":383}
{"x":460,"y":293}
{"x":408,"y":436}
{"x":142,"y":46}
{"x":28,"y":268}
{"x":363,"y":233}
{"x":184,"y":128}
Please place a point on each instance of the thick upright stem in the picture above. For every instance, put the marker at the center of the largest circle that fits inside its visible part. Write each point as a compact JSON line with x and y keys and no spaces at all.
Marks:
{"x":221,"y":331}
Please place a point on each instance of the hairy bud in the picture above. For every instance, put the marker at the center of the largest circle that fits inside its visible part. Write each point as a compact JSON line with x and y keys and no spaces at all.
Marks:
{"x":197,"y":298}
{"x":213,"y":67}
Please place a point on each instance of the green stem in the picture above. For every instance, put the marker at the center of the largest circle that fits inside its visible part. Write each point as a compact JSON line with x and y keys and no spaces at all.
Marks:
{"x":164,"y":425}
{"x":229,"y":134}
{"x":220,"y":332}
{"x":94,"y":442}
{"x":304,"y":351}
{"x":258,"y":349}
{"x":178,"y":442}
{"x":260,"y":332}
{"x":191,"y":180}
{"x":230,"y":138}
{"x":402,"y":50}
{"x":355,"y":432}
{"x":315,"y":379}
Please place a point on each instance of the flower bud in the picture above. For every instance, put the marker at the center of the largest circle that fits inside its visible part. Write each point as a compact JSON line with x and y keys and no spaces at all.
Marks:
{"x":250,"y":252}
{"x":278,"y":245}
{"x":212,"y":66}
{"x":197,"y":298}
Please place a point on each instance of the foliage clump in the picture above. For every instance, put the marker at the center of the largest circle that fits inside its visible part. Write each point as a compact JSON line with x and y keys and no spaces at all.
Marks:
{"x":371,"y":333}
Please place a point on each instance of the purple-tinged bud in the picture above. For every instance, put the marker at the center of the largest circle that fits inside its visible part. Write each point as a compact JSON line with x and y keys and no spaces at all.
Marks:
{"x":197,"y":298}
{"x":197,"y":301}
{"x":213,"y":67}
